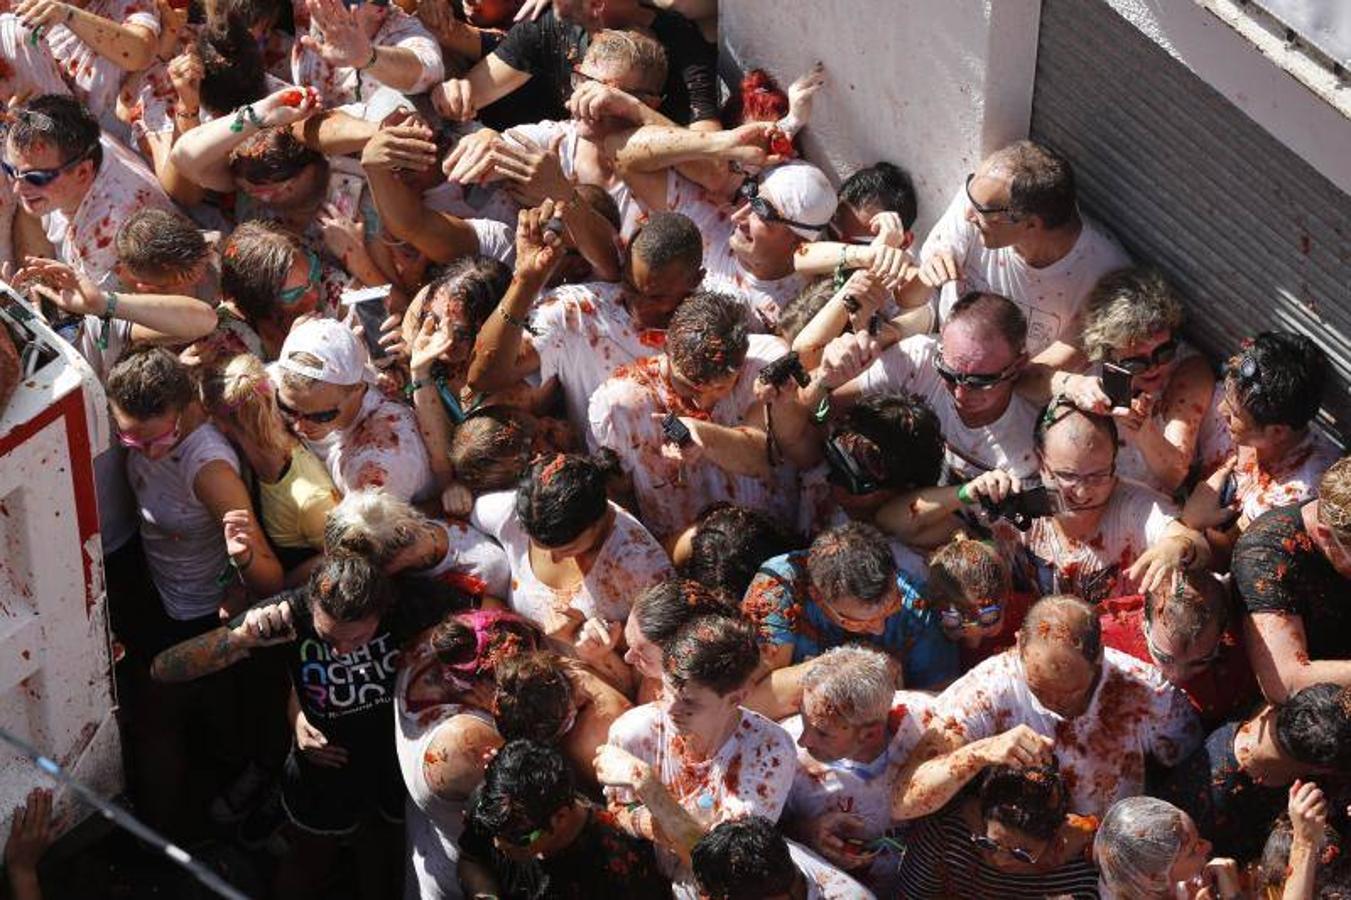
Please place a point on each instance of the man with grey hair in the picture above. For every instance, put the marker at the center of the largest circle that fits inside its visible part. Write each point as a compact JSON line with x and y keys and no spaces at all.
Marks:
{"x":1100,"y":713}
{"x":853,"y":734}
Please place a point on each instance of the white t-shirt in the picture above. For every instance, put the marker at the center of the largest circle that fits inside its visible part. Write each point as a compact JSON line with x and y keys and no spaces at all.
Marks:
{"x":96,"y":79}
{"x":824,"y":881}
{"x":863,"y":789}
{"x":474,"y":201}
{"x":749,"y":775}
{"x":1005,"y":443}
{"x":627,"y":563}
{"x":1093,"y":569}
{"x":584,"y":333}
{"x":1050,"y":297}
{"x":87,"y":240}
{"x":183,"y":542}
{"x":496,"y":239}
{"x":346,"y":85}
{"x":672,"y":494}
{"x":470,"y":552}
{"x":1134,"y":714}
{"x":30,"y":69}
{"x":724,"y":272}
{"x":381,"y":448}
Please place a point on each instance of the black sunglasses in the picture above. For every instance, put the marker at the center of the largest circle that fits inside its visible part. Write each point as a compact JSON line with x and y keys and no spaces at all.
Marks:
{"x":322,"y":417}
{"x":845,"y":471}
{"x":984,"y":210}
{"x":985,"y":842}
{"x":749,"y":192}
{"x":43,"y":177}
{"x":1161,"y":354}
{"x":973,"y":381}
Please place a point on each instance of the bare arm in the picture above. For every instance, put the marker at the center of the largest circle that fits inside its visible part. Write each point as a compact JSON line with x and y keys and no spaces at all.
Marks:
{"x":778,"y":692}
{"x":1279,"y":652}
{"x":129,"y":47}
{"x":652,"y":148}
{"x":268,"y":622}
{"x":334,"y":133}
{"x":456,"y":757}
{"x":441,"y":237}
{"x":741,"y":450}
{"x":222,"y":492}
{"x":203,"y":154}
{"x":938,"y":768}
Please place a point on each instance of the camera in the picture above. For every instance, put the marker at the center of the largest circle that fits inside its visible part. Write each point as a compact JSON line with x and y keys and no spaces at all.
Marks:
{"x":780,"y":370}
{"x":676,"y":431}
{"x":1021,"y":509}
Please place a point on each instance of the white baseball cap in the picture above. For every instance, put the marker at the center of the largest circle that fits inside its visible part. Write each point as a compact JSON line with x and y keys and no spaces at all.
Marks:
{"x":800,"y":192}
{"x":341,"y":354}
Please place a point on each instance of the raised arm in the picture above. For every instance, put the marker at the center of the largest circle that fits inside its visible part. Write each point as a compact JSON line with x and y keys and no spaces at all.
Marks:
{"x":129,"y":47}
{"x":491,"y":79}
{"x":659,"y":818}
{"x":1278,"y":649}
{"x":939,"y":767}
{"x":652,"y":148}
{"x":441,"y":237}
{"x":203,"y":154}
{"x":343,"y":43}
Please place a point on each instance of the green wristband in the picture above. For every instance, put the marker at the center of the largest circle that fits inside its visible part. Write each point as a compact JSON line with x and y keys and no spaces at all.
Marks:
{"x":964,"y":496}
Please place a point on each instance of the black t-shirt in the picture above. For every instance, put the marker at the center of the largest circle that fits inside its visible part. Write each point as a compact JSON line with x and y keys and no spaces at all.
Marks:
{"x":1278,"y":569}
{"x":604,"y":862}
{"x":549,"y":47}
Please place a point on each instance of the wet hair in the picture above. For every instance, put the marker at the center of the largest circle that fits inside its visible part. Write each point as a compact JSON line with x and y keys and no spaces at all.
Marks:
{"x":255,"y":262}
{"x":273,"y":155}
{"x":663,"y":608}
{"x":995,"y":312}
{"x":251,"y":12}
{"x":800,"y":310}
{"x":965,"y":573}
{"x":632,"y":50}
{"x":490,"y":451}
{"x":478,"y":641}
{"x":63,"y":122}
{"x":729,"y":545}
{"x":897,"y":437}
{"x":1334,"y":497}
{"x":717,"y":652}
{"x":744,"y":859}
{"x":1314,"y":725}
{"x":1273,"y":866}
{"x":241,"y":391}
{"x":150,"y":383}
{"x":477,"y":283}
{"x":349,"y":588}
{"x":1126,"y":306}
{"x":885,"y":187}
{"x":1136,"y":845}
{"x":233,"y":70}
{"x":534,"y":695}
{"x":157,"y":242}
{"x":852,"y":561}
{"x":1058,"y":410}
{"x":524,"y":785}
{"x":562,"y":495}
{"x":1195,"y":603}
{"x":1280,"y":378}
{"x":1041,"y":182}
{"x":1063,"y":619}
{"x":371,"y":523}
{"x":759,"y":99}
{"x":669,"y":238}
{"x":708,"y":336}
{"x":1032,"y":800}
{"x":854,"y":682}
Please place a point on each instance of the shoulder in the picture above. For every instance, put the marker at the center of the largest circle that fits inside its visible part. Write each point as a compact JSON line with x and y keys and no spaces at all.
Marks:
{"x":455,"y":757}
{"x":1273,"y":531}
{"x":206,"y":445}
{"x":1136,"y":501}
{"x":757,"y":731}
{"x":633,"y":727}
{"x":1099,"y":245}
{"x":492,"y":511}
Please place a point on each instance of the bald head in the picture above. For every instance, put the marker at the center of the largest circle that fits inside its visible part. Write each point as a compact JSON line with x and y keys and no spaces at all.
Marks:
{"x":1064,"y":621}
{"x":987,"y":316}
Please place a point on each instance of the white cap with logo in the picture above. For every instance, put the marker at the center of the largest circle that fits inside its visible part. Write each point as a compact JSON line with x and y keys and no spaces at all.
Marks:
{"x":342,"y":355}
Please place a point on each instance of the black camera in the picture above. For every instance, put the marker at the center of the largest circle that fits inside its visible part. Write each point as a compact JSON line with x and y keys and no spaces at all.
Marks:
{"x":1022,"y":508}
{"x":676,"y":431}
{"x":780,"y":370}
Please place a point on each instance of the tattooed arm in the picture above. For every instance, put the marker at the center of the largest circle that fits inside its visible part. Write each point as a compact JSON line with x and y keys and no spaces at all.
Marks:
{"x":261,"y":625}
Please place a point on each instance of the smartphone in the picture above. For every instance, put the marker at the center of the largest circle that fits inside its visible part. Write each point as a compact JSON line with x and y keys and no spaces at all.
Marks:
{"x":369,"y":305}
{"x":676,"y":431}
{"x":1116,"y":384}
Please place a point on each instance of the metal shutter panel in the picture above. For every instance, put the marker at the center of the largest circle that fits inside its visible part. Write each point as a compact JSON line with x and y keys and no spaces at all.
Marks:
{"x":1252,"y":236}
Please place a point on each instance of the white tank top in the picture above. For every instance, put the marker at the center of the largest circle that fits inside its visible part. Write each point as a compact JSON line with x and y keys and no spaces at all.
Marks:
{"x":432,"y":824}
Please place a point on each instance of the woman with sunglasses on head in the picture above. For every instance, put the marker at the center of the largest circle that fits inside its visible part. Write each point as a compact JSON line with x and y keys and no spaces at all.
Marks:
{"x":1132,"y":326}
{"x":1012,"y":836}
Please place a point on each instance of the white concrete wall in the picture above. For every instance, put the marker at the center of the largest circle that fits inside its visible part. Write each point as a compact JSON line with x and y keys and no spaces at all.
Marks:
{"x":931,"y":85}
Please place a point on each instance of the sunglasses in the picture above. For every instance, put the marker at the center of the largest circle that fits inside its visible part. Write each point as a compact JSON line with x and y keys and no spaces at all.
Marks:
{"x":988,"y":843}
{"x":167,"y":439}
{"x":291,"y":295}
{"x":985,"y":616}
{"x":322,"y":417}
{"x":749,"y":192}
{"x":984,"y":210}
{"x":847,"y":472}
{"x":1161,"y":354}
{"x":43,"y":177}
{"x":973,"y":381}
{"x":580,"y":78}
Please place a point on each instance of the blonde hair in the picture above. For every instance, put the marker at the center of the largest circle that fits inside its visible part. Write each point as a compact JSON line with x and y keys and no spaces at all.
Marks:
{"x":241,"y":392}
{"x":1125,"y":306}
{"x":373,"y":524}
{"x":631,"y":48}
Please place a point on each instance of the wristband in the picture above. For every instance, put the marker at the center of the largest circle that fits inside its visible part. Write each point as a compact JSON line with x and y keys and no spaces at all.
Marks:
{"x":414,"y":386}
{"x":368,"y":63}
{"x":822,"y":411}
{"x":964,"y":496}
{"x":523,"y":324}
{"x":106,"y":320}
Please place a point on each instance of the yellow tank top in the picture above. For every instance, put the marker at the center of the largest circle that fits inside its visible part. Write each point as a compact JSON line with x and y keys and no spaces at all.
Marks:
{"x":294,"y":508}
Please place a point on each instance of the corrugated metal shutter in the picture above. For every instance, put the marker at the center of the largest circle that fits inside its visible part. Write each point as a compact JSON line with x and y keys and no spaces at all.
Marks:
{"x":1253,"y":237}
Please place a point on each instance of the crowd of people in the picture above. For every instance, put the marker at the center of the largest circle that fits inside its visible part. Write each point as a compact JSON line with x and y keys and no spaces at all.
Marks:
{"x":531,"y":478}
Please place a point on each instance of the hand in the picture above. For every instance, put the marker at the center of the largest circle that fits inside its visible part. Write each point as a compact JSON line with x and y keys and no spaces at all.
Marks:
{"x":344,"y":236}
{"x":439,"y":19}
{"x":264,"y":626}
{"x":802,"y":92}
{"x":593,"y":101}
{"x":939,"y":269}
{"x":845,"y":357}
{"x":617,"y":767}
{"x":532,"y":176}
{"x":1085,"y":392}
{"x":891,"y":265}
{"x":828,"y":832}
{"x":185,"y":73}
{"x":690,"y":452}
{"x":287,"y":106}
{"x":993,"y":486}
{"x":35,"y":14}
{"x":240,"y":533}
{"x":342,"y":41}
{"x":470,"y":162}
{"x":531,"y":9}
{"x":1137,"y":416}
{"x":1019,"y":746}
{"x":457,"y":500}
{"x":31,"y":832}
{"x":454,"y":100}
{"x":400,"y":147}
{"x":1203,"y":509}
{"x":1159,"y":564}
{"x":1308,"y":813}
{"x":597,"y":640}
{"x":429,"y":345}
{"x":749,"y":145}
{"x":889,"y":228}
{"x":393,"y":337}
{"x":312,"y":742}
{"x":56,"y":281}
{"x":1221,"y":880}
{"x":864,"y":288}
{"x":538,"y":249}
